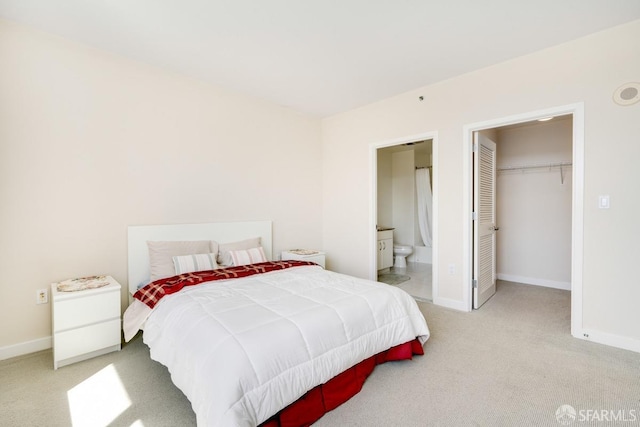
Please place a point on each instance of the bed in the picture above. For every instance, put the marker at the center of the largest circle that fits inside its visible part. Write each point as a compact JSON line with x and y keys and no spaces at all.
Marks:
{"x":253,"y":341}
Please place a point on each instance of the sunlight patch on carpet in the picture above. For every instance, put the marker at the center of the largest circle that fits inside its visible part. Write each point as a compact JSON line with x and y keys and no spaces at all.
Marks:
{"x":98,"y":400}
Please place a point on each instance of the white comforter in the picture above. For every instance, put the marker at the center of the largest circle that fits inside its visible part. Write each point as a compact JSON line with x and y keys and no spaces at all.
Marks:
{"x":243,"y":349}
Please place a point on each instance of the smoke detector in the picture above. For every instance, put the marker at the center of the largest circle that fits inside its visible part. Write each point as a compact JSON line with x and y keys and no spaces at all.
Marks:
{"x":627,"y":94}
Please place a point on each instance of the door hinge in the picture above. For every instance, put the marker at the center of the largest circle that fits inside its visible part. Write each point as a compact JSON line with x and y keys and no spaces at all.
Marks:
{"x":474,"y":282}
{"x":474,"y":216}
{"x":474,"y":147}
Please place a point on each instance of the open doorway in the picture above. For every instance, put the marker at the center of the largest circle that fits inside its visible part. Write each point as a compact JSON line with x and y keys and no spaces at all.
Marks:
{"x":404,"y":188}
{"x":563,"y":178}
{"x":525,"y":232}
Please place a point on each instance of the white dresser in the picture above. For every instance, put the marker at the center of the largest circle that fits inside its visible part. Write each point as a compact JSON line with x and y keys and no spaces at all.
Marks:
{"x":304,"y":255}
{"x":85,"y":323}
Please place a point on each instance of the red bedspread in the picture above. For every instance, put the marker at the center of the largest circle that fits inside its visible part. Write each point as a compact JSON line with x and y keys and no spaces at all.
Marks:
{"x":153,"y":292}
{"x":328,"y":396}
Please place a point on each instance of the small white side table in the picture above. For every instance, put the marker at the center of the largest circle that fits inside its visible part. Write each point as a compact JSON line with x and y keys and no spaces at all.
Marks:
{"x":317,"y":256}
{"x":86,"y":323}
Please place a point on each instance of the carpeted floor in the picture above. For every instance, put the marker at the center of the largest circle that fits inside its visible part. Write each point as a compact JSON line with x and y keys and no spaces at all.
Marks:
{"x":513,"y":362}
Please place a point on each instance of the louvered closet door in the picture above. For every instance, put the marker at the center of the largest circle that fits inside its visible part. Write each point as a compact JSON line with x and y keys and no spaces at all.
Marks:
{"x":484,"y":237}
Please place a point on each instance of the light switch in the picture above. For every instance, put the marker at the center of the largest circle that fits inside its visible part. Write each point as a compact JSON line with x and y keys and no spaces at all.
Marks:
{"x":603,"y":201}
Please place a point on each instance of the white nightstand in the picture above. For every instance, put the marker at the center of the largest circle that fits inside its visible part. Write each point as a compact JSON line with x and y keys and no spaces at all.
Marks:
{"x":301,"y":255}
{"x":85,"y":323}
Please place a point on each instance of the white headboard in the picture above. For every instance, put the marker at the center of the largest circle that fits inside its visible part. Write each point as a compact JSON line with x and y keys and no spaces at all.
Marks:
{"x":221,"y":232}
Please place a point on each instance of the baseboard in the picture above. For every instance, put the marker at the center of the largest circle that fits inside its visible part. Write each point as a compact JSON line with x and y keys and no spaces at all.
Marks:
{"x":23,"y":348}
{"x":610,"y":340}
{"x":451,"y":303}
{"x":533,"y":281}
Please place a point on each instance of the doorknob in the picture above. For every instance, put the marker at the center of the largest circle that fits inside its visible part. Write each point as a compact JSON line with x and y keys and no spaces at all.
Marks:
{"x":495,"y":228}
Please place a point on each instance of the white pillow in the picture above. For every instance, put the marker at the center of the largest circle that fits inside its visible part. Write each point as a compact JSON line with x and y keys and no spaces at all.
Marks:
{"x":196,"y":262}
{"x":224,"y":258}
{"x":248,"y":256}
{"x":161,"y":255}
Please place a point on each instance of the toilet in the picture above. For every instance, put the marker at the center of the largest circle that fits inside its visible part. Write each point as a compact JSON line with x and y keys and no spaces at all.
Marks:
{"x":401,"y":252}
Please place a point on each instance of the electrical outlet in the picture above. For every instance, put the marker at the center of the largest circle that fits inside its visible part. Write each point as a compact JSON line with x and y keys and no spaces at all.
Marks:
{"x":42,"y":296}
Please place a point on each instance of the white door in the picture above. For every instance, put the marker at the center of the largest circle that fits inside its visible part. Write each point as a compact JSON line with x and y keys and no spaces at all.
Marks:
{"x":484,"y":224}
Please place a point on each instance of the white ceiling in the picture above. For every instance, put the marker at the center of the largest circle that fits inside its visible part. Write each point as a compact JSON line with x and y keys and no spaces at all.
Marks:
{"x":321,"y":57}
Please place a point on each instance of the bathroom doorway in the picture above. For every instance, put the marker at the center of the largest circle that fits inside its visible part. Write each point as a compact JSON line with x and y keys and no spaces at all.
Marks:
{"x":404,"y":207}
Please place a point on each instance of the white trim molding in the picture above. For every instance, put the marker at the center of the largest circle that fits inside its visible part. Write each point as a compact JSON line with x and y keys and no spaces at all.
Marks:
{"x":535,"y":281}
{"x":373,"y":198}
{"x":577,"y":221}
{"x":458,"y":305}
{"x":610,"y":340}
{"x":26,"y":347}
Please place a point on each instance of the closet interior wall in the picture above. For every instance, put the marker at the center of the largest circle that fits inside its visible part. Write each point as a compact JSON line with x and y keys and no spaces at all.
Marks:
{"x":533,"y":206}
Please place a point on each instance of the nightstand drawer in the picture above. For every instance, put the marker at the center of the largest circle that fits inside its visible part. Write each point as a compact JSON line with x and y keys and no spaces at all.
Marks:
{"x":86,"y":310}
{"x":85,"y":340}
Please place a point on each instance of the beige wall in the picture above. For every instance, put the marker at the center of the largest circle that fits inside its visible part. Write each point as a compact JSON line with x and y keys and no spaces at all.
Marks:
{"x":587,"y":70}
{"x":384,"y":188}
{"x":91,"y":143}
{"x":403,"y":198}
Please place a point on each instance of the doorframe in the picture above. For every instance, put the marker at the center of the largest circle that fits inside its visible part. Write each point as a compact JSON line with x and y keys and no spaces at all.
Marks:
{"x":577,"y":204}
{"x":373,"y":198}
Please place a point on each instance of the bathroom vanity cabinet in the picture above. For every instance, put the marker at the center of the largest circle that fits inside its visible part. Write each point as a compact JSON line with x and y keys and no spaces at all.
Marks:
{"x":385,"y":249}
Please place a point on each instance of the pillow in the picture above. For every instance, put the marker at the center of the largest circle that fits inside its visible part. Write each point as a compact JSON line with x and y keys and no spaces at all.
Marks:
{"x":248,"y":256}
{"x":196,"y":262}
{"x":224,"y":258}
{"x":161,"y":255}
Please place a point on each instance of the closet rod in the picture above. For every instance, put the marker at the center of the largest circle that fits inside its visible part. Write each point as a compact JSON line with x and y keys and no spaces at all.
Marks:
{"x":536,"y":166}
{"x":549,"y":166}
{"x":424,"y":167}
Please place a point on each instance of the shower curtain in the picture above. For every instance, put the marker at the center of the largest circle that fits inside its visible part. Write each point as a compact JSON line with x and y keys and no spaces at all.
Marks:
{"x":425,"y":204}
